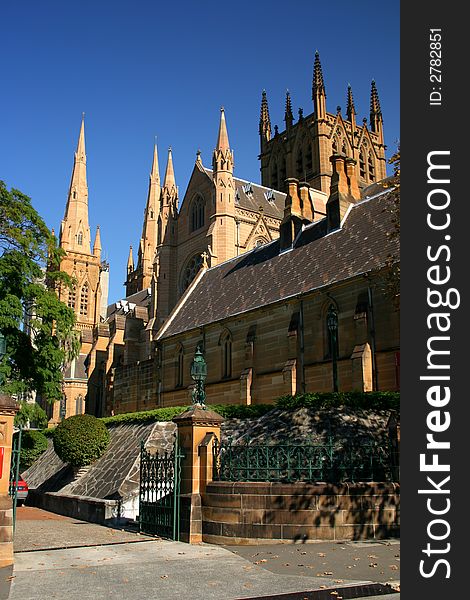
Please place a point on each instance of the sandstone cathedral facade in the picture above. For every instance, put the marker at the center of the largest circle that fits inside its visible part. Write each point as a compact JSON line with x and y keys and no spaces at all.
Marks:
{"x":248,"y":271}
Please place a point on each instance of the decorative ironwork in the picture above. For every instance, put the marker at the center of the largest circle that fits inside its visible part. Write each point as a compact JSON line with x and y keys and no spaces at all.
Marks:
{"x":159,"y":501}
{"x":309,"y":463}
{"x":15,"y":472}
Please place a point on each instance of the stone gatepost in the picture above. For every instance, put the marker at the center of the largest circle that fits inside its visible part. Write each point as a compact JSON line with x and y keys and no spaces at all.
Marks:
{"x":8,"y":409}
{"x":196,"y":430}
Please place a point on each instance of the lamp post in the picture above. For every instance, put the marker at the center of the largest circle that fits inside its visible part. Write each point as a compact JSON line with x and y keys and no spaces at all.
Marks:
{"x":199,"y":374}
{"x":3,"y":351}
{"x":332,"y":322}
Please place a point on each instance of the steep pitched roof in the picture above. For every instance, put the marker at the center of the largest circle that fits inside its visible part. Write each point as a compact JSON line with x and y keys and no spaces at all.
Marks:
{"x":265,"y":276}
{"x":257,"y":198}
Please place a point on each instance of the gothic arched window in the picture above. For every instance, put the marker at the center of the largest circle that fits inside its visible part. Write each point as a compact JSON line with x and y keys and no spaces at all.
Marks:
{"x":197,"y":213}
{"x":80,"y":239}
{"x":79,"y":405}
{"x":226,"y":345}
{"x":370,"y":164}
{"x":179,"y":366}
{"x":84,"y":299}
{"x":72,"y":297}
{"x":362,"y":163}
{"x":335,"y":145}
{"x":190,"y":271}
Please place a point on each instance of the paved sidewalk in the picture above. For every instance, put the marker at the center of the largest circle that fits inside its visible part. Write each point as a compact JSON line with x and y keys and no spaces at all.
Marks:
{"x":58,"y":557}
{"x":38,"y":529}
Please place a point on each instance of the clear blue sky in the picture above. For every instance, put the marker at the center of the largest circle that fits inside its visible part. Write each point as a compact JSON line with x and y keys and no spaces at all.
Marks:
{"x":146,"y":68}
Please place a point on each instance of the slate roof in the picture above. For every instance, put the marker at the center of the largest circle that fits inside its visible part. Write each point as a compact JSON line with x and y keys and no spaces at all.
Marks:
{"x":252,"y":202}
{"x":265,"y":276}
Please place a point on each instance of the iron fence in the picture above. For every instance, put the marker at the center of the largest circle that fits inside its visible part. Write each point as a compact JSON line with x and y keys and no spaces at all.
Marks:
{"x":309,"y":463}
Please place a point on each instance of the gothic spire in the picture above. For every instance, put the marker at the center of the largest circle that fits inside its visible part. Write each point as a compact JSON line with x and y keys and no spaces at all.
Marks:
{"x":264,"y":120}
{"x":155,"y":173}
{"x":169,"y":180}
{"x":350,"y":109}
{"x":318,"y":84}
{"x":222,"y":158}
{"x":130,"y":261}
{"x":148,"y":242}
{"x":222,"y":140}
{"x":288,"y":115}
{"x":75,"y":230}
{"x":97,"y":244}
{"x":318,"y":89}
{"x":375,"y":110}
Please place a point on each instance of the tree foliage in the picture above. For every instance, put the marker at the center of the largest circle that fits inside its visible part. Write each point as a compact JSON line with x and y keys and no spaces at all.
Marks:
{"x":32,"y":413}
{"x":38,"y":327}
{"x":80,"y":440}
{"x":33,"y":444}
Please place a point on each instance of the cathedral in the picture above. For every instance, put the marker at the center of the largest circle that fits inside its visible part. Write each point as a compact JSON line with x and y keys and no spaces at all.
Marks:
{"x":247,"y":271}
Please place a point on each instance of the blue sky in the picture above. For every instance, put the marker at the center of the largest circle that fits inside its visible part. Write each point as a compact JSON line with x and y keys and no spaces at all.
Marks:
{"x":148,"y":68}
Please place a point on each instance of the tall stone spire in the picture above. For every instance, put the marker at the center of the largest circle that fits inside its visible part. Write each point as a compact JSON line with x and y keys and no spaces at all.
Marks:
{"x":264,"y":120}
{"x":318,"y":89}
{"x":288,"y":115}
{"x":222,"y":159}
{"x":223,"y":231}
{"x":97,"y":244}
{"x":75,"y":229}
{"x":222,"y":140}
{"x":169,"y":181}
{"x":148,"y":242}
{"x":130,"y":261}
{"x":375,"y":110}
{"x":350,"y":109}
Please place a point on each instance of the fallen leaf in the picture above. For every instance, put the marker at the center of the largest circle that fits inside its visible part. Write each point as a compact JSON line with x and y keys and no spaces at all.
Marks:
{"x":163,"y":576}
{"x":374,"y":565}
{"x":394,"y":567}
{"x":327,"y":572}
{"x":321,"y":554}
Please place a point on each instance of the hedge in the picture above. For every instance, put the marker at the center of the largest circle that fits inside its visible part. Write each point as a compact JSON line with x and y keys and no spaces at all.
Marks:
{"x":364,"y":400}
{"x":80,"y":440}
{"x":33,"y":444}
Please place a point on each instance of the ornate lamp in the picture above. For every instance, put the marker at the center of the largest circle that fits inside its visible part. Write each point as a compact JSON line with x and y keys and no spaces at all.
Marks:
{"x":332,"y":323}
{"x":199,"y":374}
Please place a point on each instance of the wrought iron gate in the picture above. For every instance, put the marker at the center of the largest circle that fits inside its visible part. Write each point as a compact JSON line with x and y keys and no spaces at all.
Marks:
{"x":159,"y":499}
{"x":14,"y":471}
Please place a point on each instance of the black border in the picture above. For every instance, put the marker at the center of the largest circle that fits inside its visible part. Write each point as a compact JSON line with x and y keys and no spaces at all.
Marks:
{"x":426,"y":128}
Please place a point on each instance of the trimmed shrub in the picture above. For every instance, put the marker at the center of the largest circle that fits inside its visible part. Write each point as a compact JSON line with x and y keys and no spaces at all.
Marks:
{"x":145,"y":416}
{"x":241,"y":411}
{"x":33,"y":444}
{"x":363,"y":400}
{"x":80,"y":440}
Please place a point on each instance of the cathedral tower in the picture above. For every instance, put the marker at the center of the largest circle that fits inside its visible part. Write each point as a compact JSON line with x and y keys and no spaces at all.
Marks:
{"x":223,"y":219}
{"x":83,"y":264}
{"x":303,"y":149}
{"x":140,"y":278}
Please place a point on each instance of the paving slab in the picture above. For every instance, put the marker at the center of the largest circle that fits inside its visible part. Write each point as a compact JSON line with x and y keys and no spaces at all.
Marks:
{"x":369,"y":560}
{"x":38,"y":529}
{"x":148,"y":570}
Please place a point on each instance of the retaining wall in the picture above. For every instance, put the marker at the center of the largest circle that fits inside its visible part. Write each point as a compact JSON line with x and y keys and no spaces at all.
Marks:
{"x":253,"y":513}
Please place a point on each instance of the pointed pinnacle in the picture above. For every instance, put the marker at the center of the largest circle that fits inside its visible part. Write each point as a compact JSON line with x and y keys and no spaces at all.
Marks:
{"x":169,"y":173}
{"x":350,"y":109}
{"x":264,"y":120}
{"x":374,"y":100}
{"x":222,"y":140}
{"x":318,"y":85}
{"x":81,"y":139}
{"x":288,"y":116}
{"x":155,"y":173}
{"x":130,"y":260}
{"x":97,"y":244}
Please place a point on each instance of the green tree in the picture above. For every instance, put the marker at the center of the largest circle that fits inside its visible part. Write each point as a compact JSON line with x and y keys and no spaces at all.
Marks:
{"x":38,"y":327}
